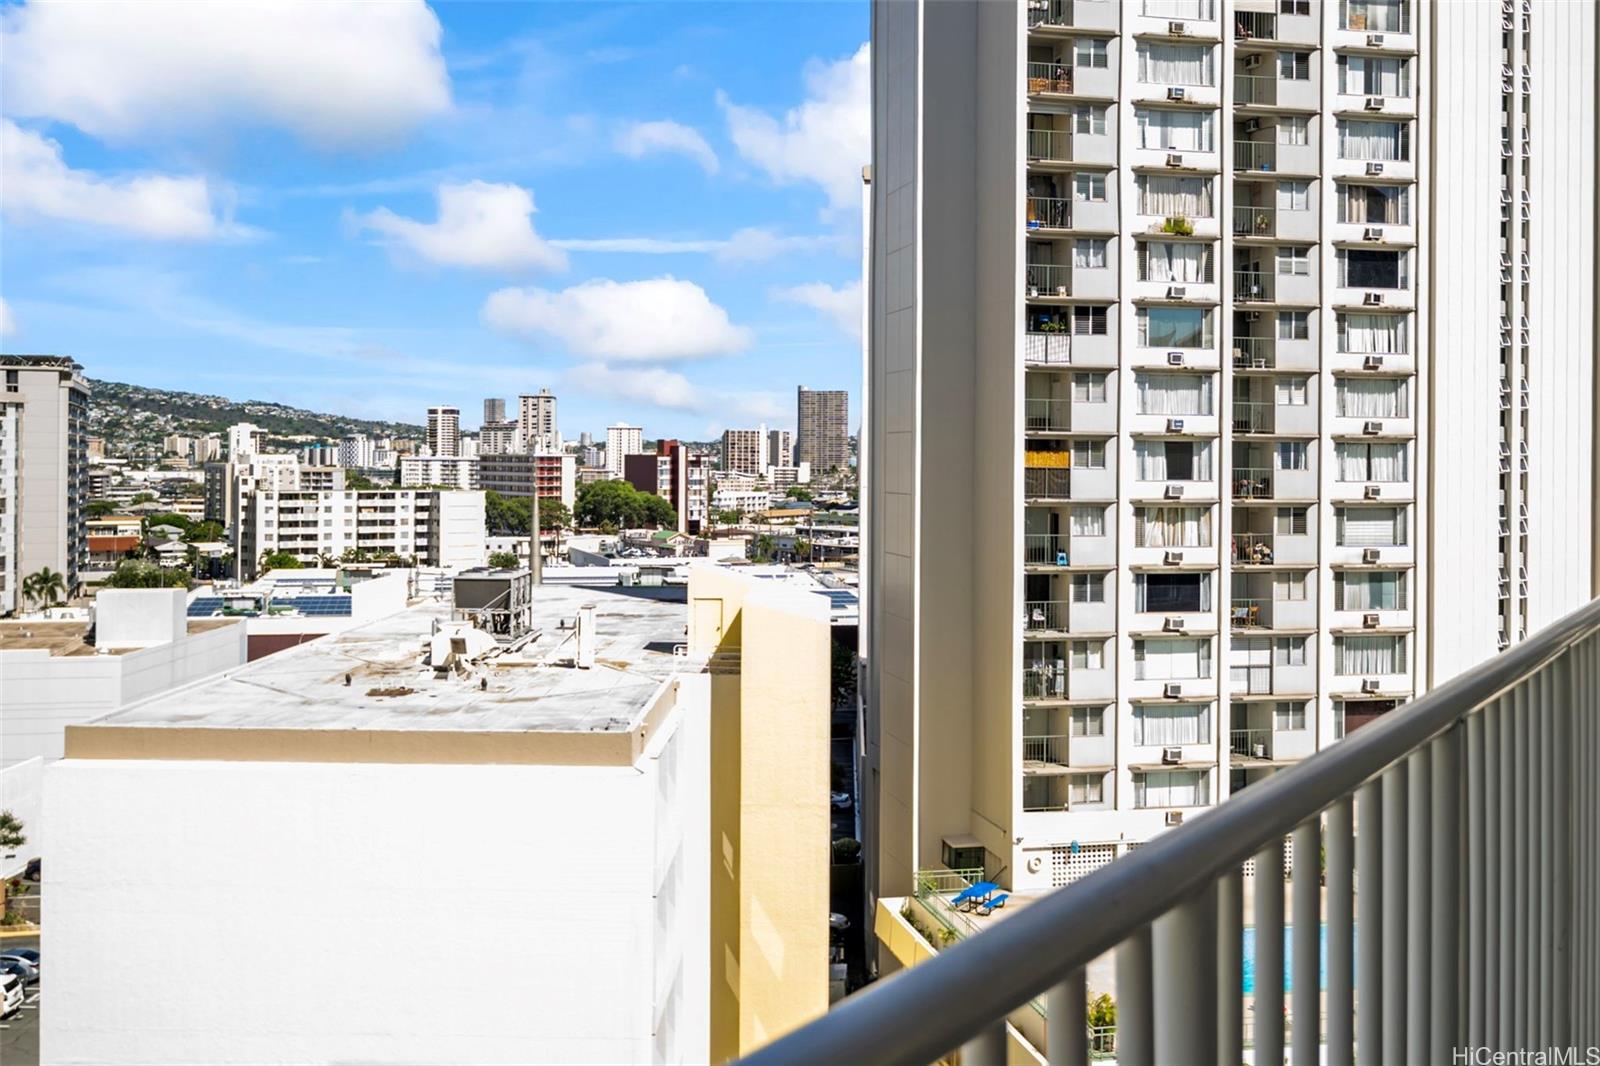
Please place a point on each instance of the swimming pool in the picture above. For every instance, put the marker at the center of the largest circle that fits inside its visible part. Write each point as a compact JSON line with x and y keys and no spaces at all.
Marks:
{"x":1288,"y":957}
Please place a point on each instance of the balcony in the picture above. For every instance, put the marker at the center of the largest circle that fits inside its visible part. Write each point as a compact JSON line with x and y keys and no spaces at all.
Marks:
{"x":1254,"y":26}
{"x":1251,"y":221}
{"x":1049,"y":79}
{"x":1044,"y":681}
{"x":1045,"y":616}
{"x":1044,"y":752}
{"x":1049,"y":213}
{"x":1047,"y":349}
{"x":1047,"y":483}
{"x":1254,"y":353}
{"x":1049,"y":146}
{"x":1248,"y":744}
{"x":1047,"y":280}
{"x":1253,"y":285}
{"x":1259,"y":156}
{"x":1072,"y":14}
{"x":1252,"y":482}
{"x":1254,"y":416}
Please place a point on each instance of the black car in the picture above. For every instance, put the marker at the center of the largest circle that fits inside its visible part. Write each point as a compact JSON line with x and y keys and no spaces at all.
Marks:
{"x":35,"y":869}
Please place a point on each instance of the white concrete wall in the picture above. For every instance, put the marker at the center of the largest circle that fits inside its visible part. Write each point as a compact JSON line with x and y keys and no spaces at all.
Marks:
{"x":288,"y":912}
{"x":458,"y":530}
{"x":139,"y":618}
{"x":21,"y":793}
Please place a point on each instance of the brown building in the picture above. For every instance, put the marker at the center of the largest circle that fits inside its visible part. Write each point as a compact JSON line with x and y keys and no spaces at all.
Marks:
{"x":677,"y":476}
{"x":823,"y":429}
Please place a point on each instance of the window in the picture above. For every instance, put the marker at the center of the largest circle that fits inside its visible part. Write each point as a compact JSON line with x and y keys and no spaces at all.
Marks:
{"x":1360,"y":461}
{"x":1290,"y":392}
{"x":1089,"y":387}
{"x":1171,"y":593}
{"x":1374,"y":76}
{"x":1180,"y":9}
{"x":1374,"y":141}
{"x":1375,"y":205}
{"x":1089,"y":52}
{"x":1088,"y":521}
{"x":1089,"y":321}
{"x":1089,"y":188}
{"x":1172,"y":527}
{"x":1294,"y":7}
{"x":1087,"y":654}
{"x":1294,"y":325}
{"x":1377,"y":654}
{"x":1174,"y":131}
{"x":1176,"y":64}
{"x":1089,"y":119}
{"x":1294,"y":130}
{"x":1374,"y":590}
{"x":1089,"y":253}
{"x":1164,"y":196}
{"x":1294,"y":196}
{"x":1377,"y":16}
{"x":1293,"y":455}
{"x":1294,"y":66}
{"x":1288,"y":716}
{"x":1171,"y":788}
{"x":1173,"y":394}
{"x":1290,"y":521}
{"x":1289,"y":651}
{"x":1363,"y":334}
{"x":1169,"y":725}
{"x":1360,"y":268}
{"x":1175,"y":262}
{"x":1174,"y":327}
{"x":1290,"y":588}
{"x":1172,"y":460}
{"x":1088,"y":588}
{"x":1089,"y":454}
{"x":1372,"y":397}
{"x":1178,"y":659}
{"x":1370,"y":527}
{"x":1294,"y":262}
{"x":1088,"y":722}
{"x":1086,"y":790}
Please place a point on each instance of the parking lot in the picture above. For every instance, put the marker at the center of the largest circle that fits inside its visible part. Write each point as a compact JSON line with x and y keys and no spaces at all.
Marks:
{"x":19,"y":1034}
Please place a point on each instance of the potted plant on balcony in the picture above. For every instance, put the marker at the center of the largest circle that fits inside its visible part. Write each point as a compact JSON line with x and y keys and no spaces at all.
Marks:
{"x":1178,"y":226}
{"x":1263,"y":222}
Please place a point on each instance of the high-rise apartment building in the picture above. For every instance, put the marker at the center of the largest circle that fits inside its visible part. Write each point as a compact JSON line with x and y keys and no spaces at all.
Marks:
{"x":744,"y":451}
{"x":444,"y":431}
{"x":822,"y":429}
{"x":44,"y":466}
{"x":780,"y":448}
{"x":621,"y":440}
{"x":1231,"y":380}
{"x":536,"y":421}
{"x":494,"y":410}
{"x":497,"y":438}
{"x":552,"y":477}
{"x":357,"y":451}
{"x":245,"y":440}
{"x":676,"y":475}
{"x":418,"y":471}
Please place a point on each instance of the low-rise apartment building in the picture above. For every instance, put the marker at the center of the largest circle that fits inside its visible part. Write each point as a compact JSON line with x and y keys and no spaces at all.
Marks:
{"x":456,"y":472}
{"x":553,"y":477}
{"x":442,"y":528}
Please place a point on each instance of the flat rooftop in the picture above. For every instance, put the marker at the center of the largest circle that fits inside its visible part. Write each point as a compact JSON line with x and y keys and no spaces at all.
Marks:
{"x":67,"y":638}
{"x":391,"y":687}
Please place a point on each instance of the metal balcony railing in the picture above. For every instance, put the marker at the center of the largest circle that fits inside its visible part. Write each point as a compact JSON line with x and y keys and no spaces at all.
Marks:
{"x":1049,"y":78}
{"x":1246,"y":612}
{"x":1252,"y":482}
{"x":1253,"y":416}
{"x":1252,"y":221}
{"x":1047,"y":416}
{"x":1255,"y":155}
{"x":1254,"y":353}
{"x":1047,"y":349}
{"x":1252,"y":548}
{"x":1049,"y":279}
{"x":1049,"y":748}
{"x":1044,"y":681}
{"x":1051,"y":146}
{"x":1464,"y":913}
{"x":1255,"y":26}
{"x":1250,"y":743}
{"x":1044,"y":549}
{"x":1255,"y":89}
{"x":1049,"y":212}
{"x":1252,"y":284}
{"x":1047,"y":483}
{"x":1049,"y":13}
{"x":1044,"y":615}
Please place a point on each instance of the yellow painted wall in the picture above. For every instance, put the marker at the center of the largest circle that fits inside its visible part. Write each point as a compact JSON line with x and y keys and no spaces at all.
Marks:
{"x":770,"y":717}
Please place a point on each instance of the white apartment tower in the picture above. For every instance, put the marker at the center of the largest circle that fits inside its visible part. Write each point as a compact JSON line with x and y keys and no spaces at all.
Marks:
{"x":622,"y":440}
{"x":1231,"y":380}
{"x":536,"y":421}
{"x":44,"y":468}
{"x":444,"y":431}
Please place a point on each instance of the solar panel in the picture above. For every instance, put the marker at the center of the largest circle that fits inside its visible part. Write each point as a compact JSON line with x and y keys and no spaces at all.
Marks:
{"x":204,"y":606}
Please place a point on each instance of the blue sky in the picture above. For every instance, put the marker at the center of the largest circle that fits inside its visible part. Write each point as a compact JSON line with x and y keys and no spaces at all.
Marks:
{"x":652,"y":210}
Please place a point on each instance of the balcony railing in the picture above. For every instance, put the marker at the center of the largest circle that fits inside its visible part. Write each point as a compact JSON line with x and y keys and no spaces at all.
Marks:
{"x":1252,"y":285}
{"x":1044,"y":615}
{"x":1252,"y":482}
{"x":1255,"y":26}
{"x":1047,"y":349}
{"x":1252,"y":549}
{"x":1255,"y":89}
{"x":1462,"y":914}
{"x":1044,"y":549}
{"x":1249,"y":613}
{"x":1255,"y":155}
{"x":1044,"y":681}
{"x":1251,"y":743}
{"x":1049,"y":78}
{"x":1254,"y":353}
{"x":1047,"y":483}
{"x":1048,"y":212}
{"x":1052,"y":146}
{"x":1049,"y":13}
{"x":1048,"y":748}
{"x":1253,"y":416}
{"x":1049,"y":279}
{"x":1047,"y":416}
{"x":1251,"y":221}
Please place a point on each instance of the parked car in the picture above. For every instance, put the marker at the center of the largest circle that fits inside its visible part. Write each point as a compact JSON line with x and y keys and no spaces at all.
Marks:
{"x":10,"y":994}
{"x":24,"y":971}
{"x":35,"y":869}
{"x":30,"y":954}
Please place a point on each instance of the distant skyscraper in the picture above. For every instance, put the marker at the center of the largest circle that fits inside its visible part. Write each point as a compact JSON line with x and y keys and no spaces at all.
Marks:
{"x":780,"y":452}
{"x":536,"y":421}
{"x":44,"y":421}
{"x":494,"y":410}
{"x":444,"y":431}
{"x":622,"y":440}
{"x":823,"y":429}
{"x":744,"y":450}
{"x":245,"y":440}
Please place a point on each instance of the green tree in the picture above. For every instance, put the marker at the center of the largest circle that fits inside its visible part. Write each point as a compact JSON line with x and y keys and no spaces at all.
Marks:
{"x":45,"y":587}
{"x":204,"y":531}
{"x":503,"y":560}
{"x":142,"y":574}
{"x":507,"y":514}
{"x":280,"y":560}
{"x":553,"y":516}
{"x":167,"y":518}
{"x":144,"y":497}
{"x":764,"y":549}
{"x":620,"y":505}
{"x":361,"y":483}
{"x":11,"y":834}
{"x":727,"y":517}
{"x":796,"y":492}
{"x":99,"y":508}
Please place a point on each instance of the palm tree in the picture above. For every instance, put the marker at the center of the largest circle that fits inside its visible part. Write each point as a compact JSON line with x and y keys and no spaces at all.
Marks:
{"x":45,"y":585}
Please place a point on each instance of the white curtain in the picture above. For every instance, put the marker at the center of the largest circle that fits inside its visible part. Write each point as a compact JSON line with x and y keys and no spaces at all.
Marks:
{"x":1185,"y":659}
{"x":1371,"y":462}
{"x":1174,"y":131}
{"x":1084,"y":789}
{"x":1179,"y":9}
{"x":1371,"y":527}
{"x":1175,"y":64}
{"x":1173,"y":527}
{"x":1374,"y":16}
{"x":1088,"y":521}
{"x":1373,"y":334}
{"x":1376,"y":204}
{"x":1186,"y":723}
{"x":1373,"y":397}
{"x":1372,"y":591}
{"x":1385,"y":654}
{"x":1376,"y":76}
{"x":1174,"y":262}
{"x":1170,"y":788}
{"x":1174,"y":394}
{"x":1189,"y":197}
{"x":1378,"y":141}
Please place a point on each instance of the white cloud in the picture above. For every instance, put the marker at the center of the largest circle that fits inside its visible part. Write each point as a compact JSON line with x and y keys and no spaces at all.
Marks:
{"x":8,"y":323}
{"x":672,"y":391}
{"x":842,"y":306}
{"x":649,"y":138}
{"x":826,"y":140}
{"x":480,"y":225}
{"x":333,"y":72}
{"x":747,"y":245}
{"x":657,"y":319}
{"x":36,"y":183}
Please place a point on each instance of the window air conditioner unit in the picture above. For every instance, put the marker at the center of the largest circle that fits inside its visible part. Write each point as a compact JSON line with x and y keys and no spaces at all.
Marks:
{"x":1174,"y":425}
{"x":1177,"y":29}
{"x":1174,"y":817}
{"x":1372,"y":362}
{"x":1172,"y":690}
{"x":1174,"y":159}
{"x":1374,"y":103}
{"x":1172,"y":558}
{"x":1374,"y":40}
{"x":1176,"y":292}
{"x":1372,"y":299}
{"x":1372,"y":233}
{"x":1374,"y":169}
{"x":1171,"y":756}
{"x":1175,"y":94}
{"x":1373,"y":491}
{"x":1370,"y":621}
{"x":1372,"y":427}
{"x":1369,"y":684}
{"x":1174,"y":492}
{"x":1174,"y":358}
{"x":1370,"y":555}
{"x":1172,"y":624}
